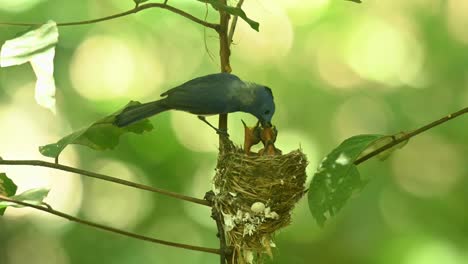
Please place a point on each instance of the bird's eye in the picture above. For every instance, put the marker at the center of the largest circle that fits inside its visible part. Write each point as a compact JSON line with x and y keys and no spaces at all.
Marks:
{"x":267,"y":112}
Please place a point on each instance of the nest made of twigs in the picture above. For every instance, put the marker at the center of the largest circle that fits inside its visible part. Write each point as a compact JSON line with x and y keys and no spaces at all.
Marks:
{"x":256,"y":195}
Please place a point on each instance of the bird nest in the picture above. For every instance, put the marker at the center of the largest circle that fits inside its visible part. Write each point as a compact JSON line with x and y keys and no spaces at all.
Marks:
{"x":256,"y":195}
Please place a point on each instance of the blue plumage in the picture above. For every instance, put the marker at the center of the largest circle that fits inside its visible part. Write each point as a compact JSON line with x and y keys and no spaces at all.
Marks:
{"x":208,"y":95}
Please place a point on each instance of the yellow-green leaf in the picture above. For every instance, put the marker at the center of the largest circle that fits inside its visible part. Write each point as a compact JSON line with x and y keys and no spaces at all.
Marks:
{"x":101,"y":135}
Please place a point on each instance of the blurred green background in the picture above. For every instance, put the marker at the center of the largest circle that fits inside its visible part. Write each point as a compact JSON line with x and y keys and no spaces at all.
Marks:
{"x":336,"y":68}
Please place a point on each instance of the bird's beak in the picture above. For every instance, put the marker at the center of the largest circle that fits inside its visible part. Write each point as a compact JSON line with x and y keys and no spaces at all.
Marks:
{"x":265,"y":124}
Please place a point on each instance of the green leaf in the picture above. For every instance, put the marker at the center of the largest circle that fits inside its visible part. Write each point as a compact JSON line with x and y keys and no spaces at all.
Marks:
{"x":33,"y":196}
{"x":36,"y":46}
{"x":384,"y":141}
{"x":235,"y":11}
{"x":7,"y":188}
{"x":101,"y":135}
{"x":337,"y":178}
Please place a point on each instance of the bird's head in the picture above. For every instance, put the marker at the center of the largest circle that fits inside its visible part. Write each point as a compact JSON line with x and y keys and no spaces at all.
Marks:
{"x":263,"y":106}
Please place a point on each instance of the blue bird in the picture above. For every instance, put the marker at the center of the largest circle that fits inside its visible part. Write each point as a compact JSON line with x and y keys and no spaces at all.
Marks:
{"x":212,"y":94}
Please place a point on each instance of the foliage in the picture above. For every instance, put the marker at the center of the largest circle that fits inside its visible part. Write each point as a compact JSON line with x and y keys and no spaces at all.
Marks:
{"x":7,"y":188}
{"x":337,"y":178}
{"x":33,"y":196}
{"x":36,"y":46}
{"x":101,"y":135}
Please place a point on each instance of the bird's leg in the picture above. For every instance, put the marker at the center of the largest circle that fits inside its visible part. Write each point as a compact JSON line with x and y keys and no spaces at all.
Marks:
{"x":219,"y":131}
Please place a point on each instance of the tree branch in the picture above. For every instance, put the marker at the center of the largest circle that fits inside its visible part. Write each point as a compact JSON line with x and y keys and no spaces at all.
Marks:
{"x":224,"y":55}
{"x":103,"y":177}
{"x":110,"y":229}
{"x":232,"y":29}
{"x":129,"y":12}
{"x":234,"y":23}
{"x":410,"y":135}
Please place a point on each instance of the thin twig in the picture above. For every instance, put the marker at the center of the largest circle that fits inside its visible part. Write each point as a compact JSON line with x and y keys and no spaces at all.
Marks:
{"x":103,"y":177}
{"x":225,"y":251}
{"x":410,"y":135}
{"x":129,"y":12}
{"x":234,"y":23}
{"x":111,"y":229}
{"x":205,"y":37}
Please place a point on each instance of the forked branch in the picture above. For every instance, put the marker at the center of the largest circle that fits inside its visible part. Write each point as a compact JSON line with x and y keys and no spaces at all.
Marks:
{"x":110,"y":229}
{"x":411,"y":134}
{"x":103,"y":177}
{"x":134,"y":10}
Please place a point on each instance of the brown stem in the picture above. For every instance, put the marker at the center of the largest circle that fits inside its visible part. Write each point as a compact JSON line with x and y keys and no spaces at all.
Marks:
{"x":410,"y":135}
{"x":110,"y":229}
{"x":103,"y":177}
{"x":232,"y":29}
{"x":129,"y":12}
{"x":224,"y":54}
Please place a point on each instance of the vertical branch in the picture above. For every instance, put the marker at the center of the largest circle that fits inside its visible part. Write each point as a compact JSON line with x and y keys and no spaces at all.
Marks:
{"x":224,"y":53}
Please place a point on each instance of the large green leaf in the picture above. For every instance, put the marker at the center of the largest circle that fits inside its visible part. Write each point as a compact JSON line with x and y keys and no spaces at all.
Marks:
{"x":7,"y":188}
{"x":101,"y":135}
{"x":33,"y":196}
{"x":385,"y":141}
{"x":36,"y":46}
{"x":337,"y":178}
{"x":235,"y":11}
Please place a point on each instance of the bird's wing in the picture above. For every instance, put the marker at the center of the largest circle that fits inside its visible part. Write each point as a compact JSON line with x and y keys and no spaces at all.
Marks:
{"x":211,"y":94}
{"x":205,"y":82}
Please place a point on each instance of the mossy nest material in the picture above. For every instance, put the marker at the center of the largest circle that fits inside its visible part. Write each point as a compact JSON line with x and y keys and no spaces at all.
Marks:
{"x":256,"y":195}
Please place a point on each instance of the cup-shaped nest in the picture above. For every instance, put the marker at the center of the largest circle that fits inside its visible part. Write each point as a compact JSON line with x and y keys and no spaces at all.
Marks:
{"x":256,"y":194}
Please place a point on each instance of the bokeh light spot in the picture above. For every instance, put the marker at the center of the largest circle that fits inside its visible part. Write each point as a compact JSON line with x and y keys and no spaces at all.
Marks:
{"x":457,"y":20}
{"x":193,"y":134}
{"x":113,"y":204}
{"x":275,"y":39}
{"x":181,"y":52}
{"x":108,"y":67}
{"x":304,"y":12}
{"x":428,"y":166}
{"x":332,"y":67}
{"x":17,"y":6}
{"x":434,"y":252}
{"x":381,"y":52}
{"x":17,"y":141}
{"x":201,"y":183}
{"x":361,"y":115}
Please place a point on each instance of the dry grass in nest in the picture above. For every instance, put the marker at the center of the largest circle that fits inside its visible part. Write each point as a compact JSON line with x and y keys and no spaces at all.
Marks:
{"x":256,"y":195}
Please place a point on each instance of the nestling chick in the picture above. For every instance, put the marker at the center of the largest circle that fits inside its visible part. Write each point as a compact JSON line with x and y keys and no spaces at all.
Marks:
{"x":268,"y":137}
{"x":251,"y":136}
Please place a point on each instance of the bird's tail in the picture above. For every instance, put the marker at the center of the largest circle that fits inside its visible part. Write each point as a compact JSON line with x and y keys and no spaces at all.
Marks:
{"x":136,"y":113}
